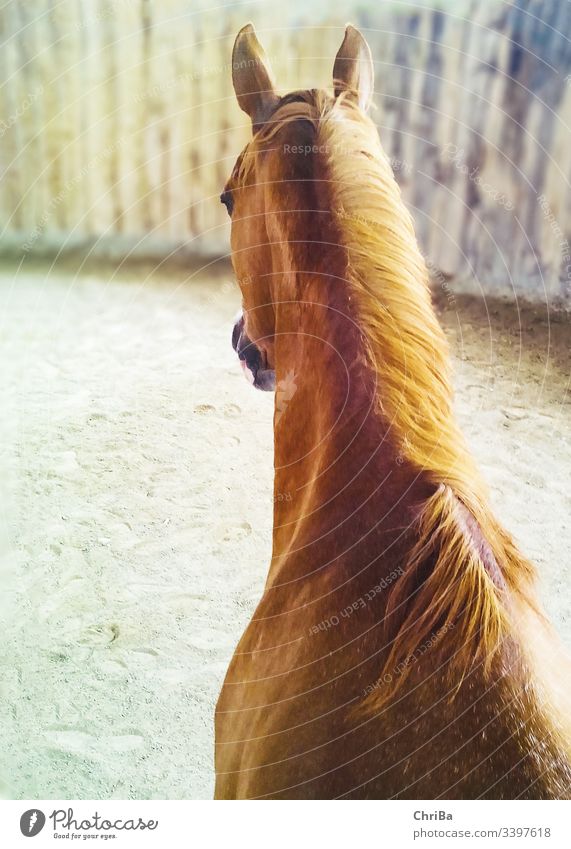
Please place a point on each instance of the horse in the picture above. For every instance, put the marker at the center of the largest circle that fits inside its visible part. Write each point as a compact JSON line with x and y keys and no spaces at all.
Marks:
{"x":399,"y":650}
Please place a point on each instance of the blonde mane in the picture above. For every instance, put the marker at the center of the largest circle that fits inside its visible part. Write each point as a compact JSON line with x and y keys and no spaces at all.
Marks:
{"x":468,"y":587}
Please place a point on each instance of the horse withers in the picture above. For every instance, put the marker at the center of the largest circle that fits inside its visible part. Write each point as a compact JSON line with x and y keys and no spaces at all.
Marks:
{"x":398,"y":649}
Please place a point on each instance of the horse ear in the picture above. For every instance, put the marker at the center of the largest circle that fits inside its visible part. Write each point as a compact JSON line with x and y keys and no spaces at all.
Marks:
{"x":252,"y":77}
{"x":353,"y":69}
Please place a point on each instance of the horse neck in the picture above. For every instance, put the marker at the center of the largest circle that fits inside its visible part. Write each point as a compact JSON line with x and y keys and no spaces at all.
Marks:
{"x":338,"y":469}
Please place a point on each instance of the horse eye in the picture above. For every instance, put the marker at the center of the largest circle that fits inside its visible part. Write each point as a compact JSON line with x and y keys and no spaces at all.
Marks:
{"x":228,"y":201}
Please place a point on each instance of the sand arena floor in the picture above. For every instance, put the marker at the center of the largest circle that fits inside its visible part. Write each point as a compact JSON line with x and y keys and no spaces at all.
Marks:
{"x":136,"y":475}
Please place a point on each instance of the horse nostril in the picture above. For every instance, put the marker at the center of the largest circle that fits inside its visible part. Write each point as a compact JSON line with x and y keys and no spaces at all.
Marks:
{"x":237,"y":332}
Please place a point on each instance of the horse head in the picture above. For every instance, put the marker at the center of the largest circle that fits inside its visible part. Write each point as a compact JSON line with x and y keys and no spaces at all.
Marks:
{"x":269,"y":192}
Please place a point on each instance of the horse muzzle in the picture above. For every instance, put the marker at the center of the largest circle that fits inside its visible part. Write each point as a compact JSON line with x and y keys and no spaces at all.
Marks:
{"x":252,"y":359}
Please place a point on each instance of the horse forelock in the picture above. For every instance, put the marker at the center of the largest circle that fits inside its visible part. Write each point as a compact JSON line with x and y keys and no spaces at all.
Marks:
{"x":290,"y":109}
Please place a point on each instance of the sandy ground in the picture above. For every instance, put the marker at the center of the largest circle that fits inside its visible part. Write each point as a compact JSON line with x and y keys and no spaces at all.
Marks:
{"x":136,"y":474}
